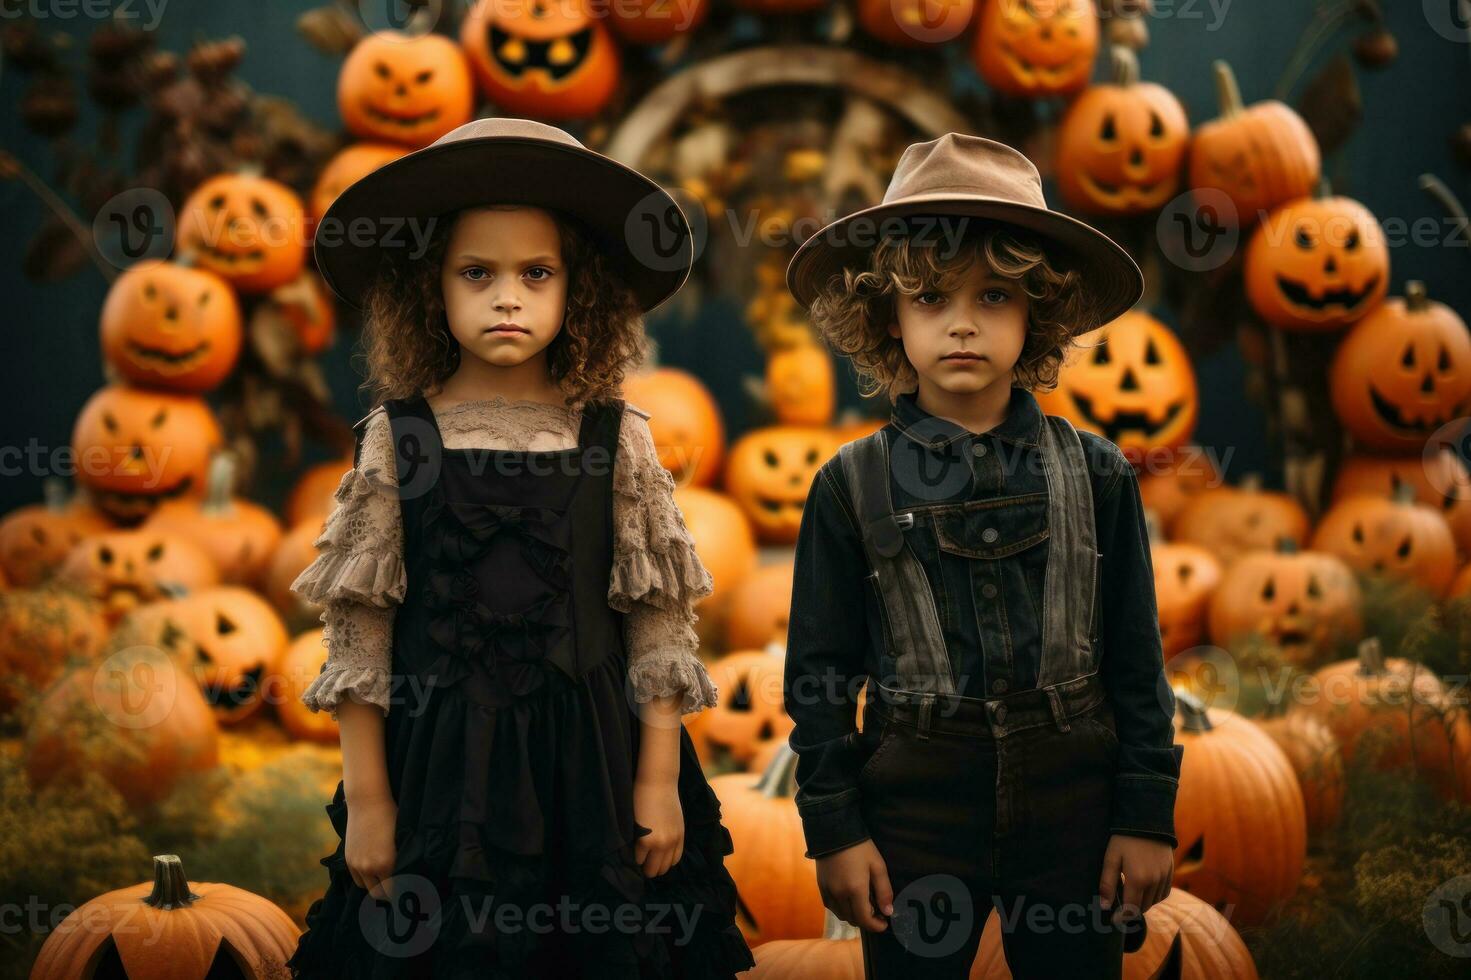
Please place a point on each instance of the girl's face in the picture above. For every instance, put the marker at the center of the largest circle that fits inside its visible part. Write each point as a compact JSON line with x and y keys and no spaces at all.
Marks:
{"x":963,"y":340}
{"x":504,"y":284}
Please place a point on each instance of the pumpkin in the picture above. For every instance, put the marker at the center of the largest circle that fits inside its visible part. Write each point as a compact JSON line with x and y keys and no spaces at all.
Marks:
{"x":311,"y":499}
{"x":247,"y":229}
{"x":1120,"y":146}
{"x":296,"y":551}
{"x":915,"y":23}
{"x":1185,"y":577}
{"x":1316,"y":264}
{"x":137,"y":448}
{"x":1397,"y":713}
{"x":1396,"y":538}
{"x":1036,"y":48}
{"x":1170,"y":477}
{"x":1402,"y":372}
{"x":35,"y":539}
{"x":124,"y":569}
{"x":406,"y":89}
{"x":759,"y":607}
{"x":1239,"y":814}
{"x":1231,"y":520}
{"x":42,"y":632}
{"x":351,"y":164}
{"x":1258,"y":157}
{"x":801,"y":384}
{"x":166,"y":325}
{"x":656,"y":21}
{"x":776,"y":884}
{"x":240,"y":536}
{"x":299,"y":666}
{"x":750,"y":712}
{"x":1303,"y":604}
{"x":307,"y":311}
{"x":1185,"y":938}
{"x":770,"y":472}
{"x":1130,"y":381}
{"x":1437,"y":477}
{"x":238,"y":641}
{"x":170,"y":927}
{"x":723,"y":539}
{"x":551,"y":59}
{"x":135,"y":718}
{"x":837,"y":955}
{"x":685,"y":420}
{"x":1312,"y":748}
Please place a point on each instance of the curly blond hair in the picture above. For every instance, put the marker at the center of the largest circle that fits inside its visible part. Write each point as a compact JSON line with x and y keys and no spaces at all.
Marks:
{"x":410,"y":350}
{"x":852,"y":313}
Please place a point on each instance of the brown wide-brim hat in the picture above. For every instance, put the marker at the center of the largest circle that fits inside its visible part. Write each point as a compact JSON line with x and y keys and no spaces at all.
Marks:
{"x":961,"y":177}
{"x":636,"y":224}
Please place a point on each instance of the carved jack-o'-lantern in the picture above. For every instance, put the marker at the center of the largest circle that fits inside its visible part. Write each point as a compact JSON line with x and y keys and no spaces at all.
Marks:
{"x":1396,"y":538}
{"x":169,"y":326}
{"x":1304,"y":604}
{"x":239,"y":535}
{"x":236,"y":640}
{"x":656,"y":21}
{"x":1259,"y":157}
{"x":759,"y":608}
{"x":405,"y":89}
{"x":1036,"y":47}
{"x":1120,"y":146}
{"x":250,"y":230}
{"x":915,"y":23}
{"x":1317,"y":264}
{"x":1185,"y":576}
{"x":1131,"y":381}
{"x":750,"y":713}
{"x":35,"y":539}
{"x":552,"y":59}
{"x":1438,"y":479}
{"x":770,"y":472}
{"x":801,"y":385}
{"x":135,"y":448}
{"x":1402,"y":372}
{"x":350,"y":165}
{"x":124,"y":569}
{"x":685,"y":421}
{"x":1230,"y":521}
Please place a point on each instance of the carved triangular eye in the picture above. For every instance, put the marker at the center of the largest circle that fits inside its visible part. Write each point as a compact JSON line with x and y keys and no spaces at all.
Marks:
{"x":1108,"y":133}
{"x":1269,"y":590}
{"x":1403,"y":551}
{"x":1315,"y":590}
{"x":770,"y":458}
{"x":1151,"y":353}
{"x":1100,"y":354}
{"x":1358,"y":534}
{"x":1408,"y":359}
{"x":224,"y":625}
{"x":1444,"y":364}
{"x":1156,"y":125}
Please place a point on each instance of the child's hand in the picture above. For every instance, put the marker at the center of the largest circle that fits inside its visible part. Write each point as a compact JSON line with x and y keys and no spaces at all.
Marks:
{"x":854,"y":884}
{"x":1147,"y":865}
{"x":369,"y":848}
{"x":656,"y":806}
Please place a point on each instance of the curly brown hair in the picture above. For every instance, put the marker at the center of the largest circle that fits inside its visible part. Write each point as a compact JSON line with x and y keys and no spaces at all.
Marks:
{"x":852,"y":313}
{"x":601,"y":339}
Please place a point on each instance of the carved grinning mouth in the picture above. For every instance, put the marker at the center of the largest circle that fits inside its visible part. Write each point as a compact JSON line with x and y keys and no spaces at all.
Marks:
{"x":1347,"y":299}
{"x":253,"y":257}
{"x":1122,"y":422}
{"x":1394,"y":419}
{"x":1043,"y":73}
{"x":407,"y":122}
{"x":505,"y":47}
{"x":235,"y":695}
{"x":774,"y":506}
{"x":164,"y":361}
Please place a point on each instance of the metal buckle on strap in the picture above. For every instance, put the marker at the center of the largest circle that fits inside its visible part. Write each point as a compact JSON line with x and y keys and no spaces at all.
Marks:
{"x":1058,"y":715}
{"x":926,"y":706}
{"x":904,"y":520}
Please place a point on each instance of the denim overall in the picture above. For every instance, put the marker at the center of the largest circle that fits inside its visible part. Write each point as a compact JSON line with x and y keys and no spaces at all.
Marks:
{"x":956,"y":839}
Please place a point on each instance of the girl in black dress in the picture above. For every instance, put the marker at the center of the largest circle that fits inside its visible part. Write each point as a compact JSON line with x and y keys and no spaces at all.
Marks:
{"x":525,"y":809}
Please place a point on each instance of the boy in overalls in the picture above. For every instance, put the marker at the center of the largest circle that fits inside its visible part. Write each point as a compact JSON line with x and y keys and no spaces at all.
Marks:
{"x":985,"y":568}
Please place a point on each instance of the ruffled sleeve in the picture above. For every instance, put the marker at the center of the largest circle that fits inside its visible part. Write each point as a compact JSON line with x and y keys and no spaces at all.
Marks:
{"x":657,"y":576}
{"x":358,"y":577}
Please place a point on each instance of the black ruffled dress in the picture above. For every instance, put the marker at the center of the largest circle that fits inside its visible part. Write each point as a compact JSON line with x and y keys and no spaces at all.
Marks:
{"x":512,"y":743}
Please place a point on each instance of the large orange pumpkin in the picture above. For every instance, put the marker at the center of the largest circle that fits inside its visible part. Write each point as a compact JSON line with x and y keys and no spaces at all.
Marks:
{"x":1130,"y":381}
{"x":124,"y":569}
{"x":552,"y":59}
{"x":915,"y":23}
{"x":1120,"y":146}
{"x":1304,"y":604}
{"x":351,"y":164}
{"x":299,"y":666}
{"x":1036,"y":48}
{"x":237,"y":641}
{"x":1185,"y":576}
{"x":1239,"y":814}
{"x":296,"y":551}
{"x":769,"y":473}
{"x":312,"y":497}
{"x":1397,"y":538}
{"x":170,"y":927}
{"x":239,"y":535}
{"x":404,"y":89}
{"x":1402,"y":372}
{"x":750,"y":713}
{"x":35,"y":539}
{"x":1317,"y":264}
{"x":1312,"y":748}
{"x":836,"y":955}
{"x":1438,"y":478}
{"x":801,"y":384}
{"x":685,"y":421}
{"x":1231,"y":520}
{"x":166,"y":325}
{"x":759,"y":608}
{"x":136,"y":448}
{"x":1259,"y":157}
{"x":248,"y":229}
{"x":723,"y":540}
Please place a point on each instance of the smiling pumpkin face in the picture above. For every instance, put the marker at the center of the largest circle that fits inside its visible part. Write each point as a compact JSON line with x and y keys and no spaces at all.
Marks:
{"x":248,"y":230}
{"x":1402,"y":372}
{"x":1398,"y":539}
{"x":770,"y":472}
{"x":169,"y":326}
{"x":405,"y":89}
{"x":1130,"y":381}
{"x":551,"y":59}
{"x":1036,"y":48}
{"x":125,"y":569}
{"x":1304,"y":604}
{"x":236,"y":641}
{"x":1317,"y":264}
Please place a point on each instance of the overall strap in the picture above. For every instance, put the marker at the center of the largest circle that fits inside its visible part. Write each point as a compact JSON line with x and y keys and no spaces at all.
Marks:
{"x":1069,"y":617}
{"x":923,"y":663}
{"x":418,"y":448}
{"x":601,"y":423}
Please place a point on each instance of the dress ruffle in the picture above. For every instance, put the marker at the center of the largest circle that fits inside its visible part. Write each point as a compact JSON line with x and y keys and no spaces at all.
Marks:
{"x":367,"y":684}
{"x":353,"y":563}
{"x":659,"y":676}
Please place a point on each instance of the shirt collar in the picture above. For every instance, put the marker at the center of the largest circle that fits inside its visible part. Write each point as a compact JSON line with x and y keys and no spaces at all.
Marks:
{"x":1022,"y":425}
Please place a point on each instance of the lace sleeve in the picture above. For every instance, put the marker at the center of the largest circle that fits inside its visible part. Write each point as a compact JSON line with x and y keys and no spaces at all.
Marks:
{"x":359,"y":640}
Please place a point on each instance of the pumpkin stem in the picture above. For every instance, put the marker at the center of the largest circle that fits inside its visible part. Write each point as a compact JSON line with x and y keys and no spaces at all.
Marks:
{"x":53,"y":492}
{"x":1152,"y":525}
{"x":221,"y":484}
{"x":1193,"y":711}
{"x":835,"y":928}
{"x":1125,"y":65}
{"x":780,"y":777}
{"x":1403,"y":493}
{"x":1227,"y":91}
{"x":1371,"y":656}
{"x":1251,"y":483}
{"x":1416,"y":298}
{"x":170,"y":887}
{"x":1436,"y":188}
{"x":1286,"y":545}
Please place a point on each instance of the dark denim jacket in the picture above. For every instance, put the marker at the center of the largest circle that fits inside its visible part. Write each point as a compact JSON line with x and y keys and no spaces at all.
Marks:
{"x":991,"y":622}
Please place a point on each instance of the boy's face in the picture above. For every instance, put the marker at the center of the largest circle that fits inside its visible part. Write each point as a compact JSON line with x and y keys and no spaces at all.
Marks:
{"x":504,"y":283}
{"x":964,"y":340}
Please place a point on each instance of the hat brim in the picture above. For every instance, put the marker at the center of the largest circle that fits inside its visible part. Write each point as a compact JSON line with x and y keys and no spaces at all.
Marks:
{"x":1109,"y":274}
{"x":638,"y":225}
